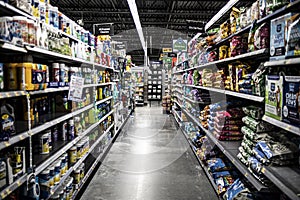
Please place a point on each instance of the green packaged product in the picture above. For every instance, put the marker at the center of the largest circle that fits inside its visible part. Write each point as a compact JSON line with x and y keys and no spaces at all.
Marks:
{"x":257,"y":126}
{"x":254,"y":112}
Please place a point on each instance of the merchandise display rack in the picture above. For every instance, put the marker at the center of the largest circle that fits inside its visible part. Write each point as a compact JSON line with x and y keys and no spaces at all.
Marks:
{"x":285,"y":178}
{"x":7,"y":48}
{"x":230,"y":93}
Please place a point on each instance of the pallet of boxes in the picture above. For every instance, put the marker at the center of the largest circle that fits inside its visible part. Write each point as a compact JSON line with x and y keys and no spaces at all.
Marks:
{"x":166,"y":103}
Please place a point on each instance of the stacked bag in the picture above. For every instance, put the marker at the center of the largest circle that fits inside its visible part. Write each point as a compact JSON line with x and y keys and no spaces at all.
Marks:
{"x":225,"y":123}
{"x":262,"y":145}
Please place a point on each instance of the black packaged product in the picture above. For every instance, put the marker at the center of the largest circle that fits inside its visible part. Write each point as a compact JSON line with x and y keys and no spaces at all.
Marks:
{"x":7,"y":122}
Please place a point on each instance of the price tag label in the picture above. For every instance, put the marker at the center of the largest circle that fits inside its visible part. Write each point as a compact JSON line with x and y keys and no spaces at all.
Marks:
{"x":246,"y":174}
{"x":21,"y":137}
{"x":6,"y":144}
{"x":263,"y":170}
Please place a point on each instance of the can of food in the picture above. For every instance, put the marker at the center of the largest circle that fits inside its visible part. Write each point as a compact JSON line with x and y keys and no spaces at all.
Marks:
{"x":44,"y":144}
{"x":63,"y":163}
{"x":55,"y":72}
{"x":72,"y":155}
{"x":82,"y":170}
{"x":71,"y":130}
{"x":44,"y":178}
{"x":62,"y":194}
{"x":77,"y":176}
{"x":65,"y":155}
{"x":64,"y":131}
{"x":62,"y":72}
{"x":79,"y":150}
{"x":51,"y":175}
{"x":54,"y":133}
{"x":57,"y":169}
{"x":50,"y":138}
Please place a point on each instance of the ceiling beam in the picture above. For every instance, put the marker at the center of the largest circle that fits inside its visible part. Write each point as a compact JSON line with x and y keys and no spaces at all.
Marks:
{"x":142,"y":12}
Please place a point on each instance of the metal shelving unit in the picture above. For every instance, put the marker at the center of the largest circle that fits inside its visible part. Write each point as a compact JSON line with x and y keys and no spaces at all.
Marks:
{"x":283,"y":125}
{"x":256,"y":54}
{"x":77,"y":164}
{"x":65,"y":148}
{"x":230,"y":150}
{"x":231,"y":93}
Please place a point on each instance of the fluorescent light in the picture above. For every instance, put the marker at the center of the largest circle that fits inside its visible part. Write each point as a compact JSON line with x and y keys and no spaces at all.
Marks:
{"x":136,"y":19}
{"x":225,"y":9}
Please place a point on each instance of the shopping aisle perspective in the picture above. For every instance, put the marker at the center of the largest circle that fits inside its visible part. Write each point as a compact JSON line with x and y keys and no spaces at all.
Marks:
{"x":150,"y":160}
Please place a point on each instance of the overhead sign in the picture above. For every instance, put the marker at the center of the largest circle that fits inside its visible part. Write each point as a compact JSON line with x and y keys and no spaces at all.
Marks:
{"x":172,"y":55}
{"x":167,"y":50}
{"x":195,"y":26}
{"x":179,"y":45}
{"x":120,"y":45}
{"x":104,"y":29}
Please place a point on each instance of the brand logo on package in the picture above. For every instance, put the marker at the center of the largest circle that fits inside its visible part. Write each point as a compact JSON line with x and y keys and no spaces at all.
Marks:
{"x":179,"y":45}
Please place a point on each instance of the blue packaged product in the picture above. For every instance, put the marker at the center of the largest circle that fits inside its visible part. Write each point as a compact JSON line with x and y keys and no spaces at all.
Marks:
{"x":254,"y":164}
{"x":238,"y":191}
{"x":291,"y":100}
{"x":216,"y":175}
{"x":260,"y":155}
{"x":265,"y":149}
{"x":292,"y":36}
{"x":216,"y":164}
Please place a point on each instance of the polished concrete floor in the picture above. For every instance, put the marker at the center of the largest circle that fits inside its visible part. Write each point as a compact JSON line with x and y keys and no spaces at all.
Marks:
{"x":150,"y":160}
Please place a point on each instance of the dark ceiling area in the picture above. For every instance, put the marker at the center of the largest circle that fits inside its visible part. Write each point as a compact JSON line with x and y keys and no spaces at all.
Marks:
{"x":155,"y":15}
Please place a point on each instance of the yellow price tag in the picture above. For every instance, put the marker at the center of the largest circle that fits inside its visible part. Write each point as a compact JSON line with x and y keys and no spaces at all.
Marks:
{"x":21,"y":137}
{"x":8,"y":191}
{"x":263,"y":170}
{"x":246,"y":174}
{"x":6,"y":144}
{"x":3,"y":195}
{"x":19,"y":183}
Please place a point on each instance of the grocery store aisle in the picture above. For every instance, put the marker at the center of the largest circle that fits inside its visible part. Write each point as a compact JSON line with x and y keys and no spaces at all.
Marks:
{"x":150,"y":160}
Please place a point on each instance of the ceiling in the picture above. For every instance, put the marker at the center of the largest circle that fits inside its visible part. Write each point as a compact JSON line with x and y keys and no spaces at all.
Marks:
{"x":161,"y":20}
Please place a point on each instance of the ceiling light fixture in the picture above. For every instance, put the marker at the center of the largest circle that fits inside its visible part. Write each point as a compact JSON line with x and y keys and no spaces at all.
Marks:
{"x":136,"y":19}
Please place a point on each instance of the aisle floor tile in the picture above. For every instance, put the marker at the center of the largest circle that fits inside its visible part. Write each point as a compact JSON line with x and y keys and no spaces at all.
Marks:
{"x":150,"y":160}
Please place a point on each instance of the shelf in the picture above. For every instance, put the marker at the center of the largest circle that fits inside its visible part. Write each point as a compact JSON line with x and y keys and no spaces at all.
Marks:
{"x":49,"y":90}
{"x":291,"y":61}
{"x":193,"y":101}
{"x":7,"y":47}
{"x":285,"y":178}
{"x":231,"y":93}
{"x":11,"y":94}
{"x":66,"y":58}
{"x":178,"y":116}
{"x":177,"y":103}
{"x":183,"y":62}
{"x":65,"y":148}
{"x":14,"y":139}
{"x":9,"y":189}
{"x":94,"y":165}
{"x":210,"y":178}
{"x":79,"y":162}
{"x":256,"y":54}
{"x":230,"y":150}
{"x":9,"y":10}
{"x":63,"y":118}
{"x":283,"y":125}
{"x":116,"y":80}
